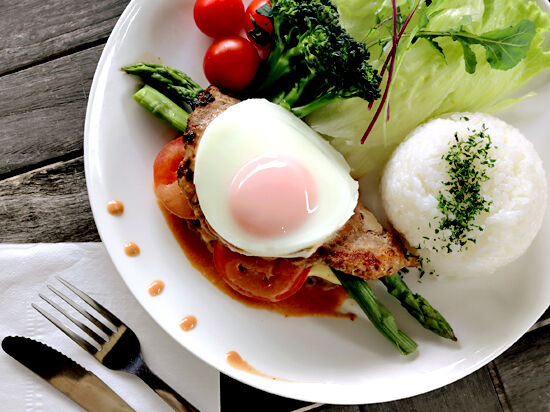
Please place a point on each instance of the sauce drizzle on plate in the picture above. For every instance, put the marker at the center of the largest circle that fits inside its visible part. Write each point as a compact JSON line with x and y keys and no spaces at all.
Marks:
{"x":156,"y":287}
{"x":236,"y":361}
{"x":131,"y":249}
{"x":188,"y":323}
{"x":115,"y":207}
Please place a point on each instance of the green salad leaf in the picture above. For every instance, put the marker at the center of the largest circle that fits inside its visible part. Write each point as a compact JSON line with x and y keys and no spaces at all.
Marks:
{"x":504,"y":47}
{"x":426,"y":85}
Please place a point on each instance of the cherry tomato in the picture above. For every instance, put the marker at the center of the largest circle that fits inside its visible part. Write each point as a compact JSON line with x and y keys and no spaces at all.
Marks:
{"x":251,"y":16}
{"x":217,"y":18}
{"x":231,"y":63}
{"x":261,"y":39}
{"x":165,"y":176}
{"x":270,"y":280}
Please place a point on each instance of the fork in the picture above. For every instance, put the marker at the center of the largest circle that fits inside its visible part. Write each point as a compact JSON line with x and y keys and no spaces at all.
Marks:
{"x":120,"y":351}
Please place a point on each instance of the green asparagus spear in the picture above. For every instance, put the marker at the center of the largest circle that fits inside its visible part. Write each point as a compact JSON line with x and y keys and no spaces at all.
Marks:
{"x":162,"y":107}
{"x":377,"y":313}
{"x":418,"y":307}
{"x":173,"y":83}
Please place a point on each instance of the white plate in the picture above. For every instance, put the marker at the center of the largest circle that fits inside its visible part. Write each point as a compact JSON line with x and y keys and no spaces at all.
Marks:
{"x":328,"y":360}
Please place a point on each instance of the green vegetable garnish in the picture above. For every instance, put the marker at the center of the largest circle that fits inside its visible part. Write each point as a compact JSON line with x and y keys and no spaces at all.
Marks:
{"x":461,"y":202}
{"x":168,"y":93}
{"x":418,"y":306}
{"x":162,"y":107}
{"x":314,"y":61}
{"x":378,"y":314}
{"x":426,"y":85}
{"x":505,"y":48}
{"x":173,"y":83}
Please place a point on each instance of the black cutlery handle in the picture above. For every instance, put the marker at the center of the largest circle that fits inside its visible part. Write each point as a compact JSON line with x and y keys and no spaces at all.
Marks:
{"x":169,"y":395}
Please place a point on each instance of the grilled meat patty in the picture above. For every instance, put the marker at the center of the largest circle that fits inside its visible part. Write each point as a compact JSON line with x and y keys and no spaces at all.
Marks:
{"x":361,"y":247}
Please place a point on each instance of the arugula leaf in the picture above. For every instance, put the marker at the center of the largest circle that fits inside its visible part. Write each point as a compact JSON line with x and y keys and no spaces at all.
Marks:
{"x":438,"y":48}
{"x":470,"y":60}
{"x":504,"y":48}
{"x":427,"y":13}
{"x":507,"y":47}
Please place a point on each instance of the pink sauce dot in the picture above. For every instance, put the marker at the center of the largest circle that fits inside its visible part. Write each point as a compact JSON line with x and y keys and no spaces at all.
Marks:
{"x":272,"y":195}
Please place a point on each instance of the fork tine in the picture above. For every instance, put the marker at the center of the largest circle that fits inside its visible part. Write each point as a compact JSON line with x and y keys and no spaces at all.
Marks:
{"x":94,"y":304}
{"x":77,"y":339}
{"x":82,"y":326}
{"x":82,"y":311}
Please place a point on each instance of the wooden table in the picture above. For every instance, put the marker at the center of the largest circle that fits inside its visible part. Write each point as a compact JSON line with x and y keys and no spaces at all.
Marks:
{"x":48,"y":54}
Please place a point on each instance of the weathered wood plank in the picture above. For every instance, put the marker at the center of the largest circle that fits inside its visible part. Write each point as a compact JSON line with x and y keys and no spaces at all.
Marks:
{"x":545,"y":315}
{"x":49,"y":204}
{"x":44,"y":119}
{"x":472,"y":393}
{"x":524,"y":371}
{"x":34,"y":30}
{"x":339,"y":408}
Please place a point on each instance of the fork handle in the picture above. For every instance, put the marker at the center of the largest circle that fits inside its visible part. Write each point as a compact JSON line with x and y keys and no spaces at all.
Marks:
{"x":169,"y":395}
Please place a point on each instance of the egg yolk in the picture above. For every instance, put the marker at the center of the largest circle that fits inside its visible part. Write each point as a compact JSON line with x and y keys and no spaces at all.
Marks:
{"x":272,"y":195}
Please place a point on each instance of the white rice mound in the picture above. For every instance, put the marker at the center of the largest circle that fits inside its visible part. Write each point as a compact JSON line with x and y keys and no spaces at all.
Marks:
{"x":414,"y":177}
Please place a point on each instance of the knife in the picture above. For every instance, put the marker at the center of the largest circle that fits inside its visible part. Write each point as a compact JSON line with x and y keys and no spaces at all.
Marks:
{"x":64,"y":374}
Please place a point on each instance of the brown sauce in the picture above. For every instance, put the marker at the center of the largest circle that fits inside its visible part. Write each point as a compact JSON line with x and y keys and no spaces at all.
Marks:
{"x":115,"y":207}
{"x":131,"y":249}
{"x":156,"y":287}
{"x":234,"y":360}
{"x":313,"y":299}
{"x":188,"y":323}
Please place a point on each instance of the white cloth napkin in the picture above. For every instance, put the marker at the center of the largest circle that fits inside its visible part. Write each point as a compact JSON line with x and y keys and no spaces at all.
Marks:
{"x":24,"y":272}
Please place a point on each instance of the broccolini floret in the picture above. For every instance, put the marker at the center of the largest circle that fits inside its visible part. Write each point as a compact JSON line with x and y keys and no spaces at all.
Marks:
{"x":314,"y":61}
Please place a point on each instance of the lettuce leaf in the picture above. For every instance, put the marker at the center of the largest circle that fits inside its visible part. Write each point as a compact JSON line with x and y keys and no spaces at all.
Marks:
{"x":426,"y":84}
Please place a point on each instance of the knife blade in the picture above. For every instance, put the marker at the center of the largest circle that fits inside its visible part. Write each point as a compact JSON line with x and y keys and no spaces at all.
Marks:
{"x":64,"y":374}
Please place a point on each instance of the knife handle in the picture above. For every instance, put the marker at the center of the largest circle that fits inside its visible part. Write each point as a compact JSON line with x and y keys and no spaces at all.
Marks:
{"x":169,"y":395}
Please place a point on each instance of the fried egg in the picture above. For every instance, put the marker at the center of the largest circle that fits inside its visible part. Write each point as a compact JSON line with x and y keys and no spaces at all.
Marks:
{"x":268,"y":184}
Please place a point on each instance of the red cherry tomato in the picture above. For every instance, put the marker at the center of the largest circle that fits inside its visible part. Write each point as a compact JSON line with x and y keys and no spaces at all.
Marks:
{"x":262,"y":42}
{"x":217,"y":18}
{"x":270,"y":280}
{"x":251,"y":15}
{"x":231,"y":63}
{"x":165,"y":176}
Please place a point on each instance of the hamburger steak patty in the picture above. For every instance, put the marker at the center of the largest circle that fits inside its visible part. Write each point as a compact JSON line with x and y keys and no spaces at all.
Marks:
{"x":361,"y":247}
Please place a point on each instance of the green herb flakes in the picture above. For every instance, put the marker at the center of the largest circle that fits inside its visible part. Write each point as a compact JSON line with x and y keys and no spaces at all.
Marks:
{"x":461,"y":201}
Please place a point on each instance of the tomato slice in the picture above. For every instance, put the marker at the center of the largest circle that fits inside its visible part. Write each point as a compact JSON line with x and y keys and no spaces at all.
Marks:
{"x":270,"y":280}
{"x":165,"y":176}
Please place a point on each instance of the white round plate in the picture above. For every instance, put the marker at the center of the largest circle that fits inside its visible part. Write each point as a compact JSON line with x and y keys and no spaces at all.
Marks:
{"x":319,"y":359}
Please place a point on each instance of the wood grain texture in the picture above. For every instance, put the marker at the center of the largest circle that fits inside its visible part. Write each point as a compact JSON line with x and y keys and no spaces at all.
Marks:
{"x":339,"y":408}
{"x":49,"y":204}
{"x":524,"y":370}
{"x":545,"y":315}
{"x":35,"y":30}
{"x":44,"y":119}
{"x":475,"y":392}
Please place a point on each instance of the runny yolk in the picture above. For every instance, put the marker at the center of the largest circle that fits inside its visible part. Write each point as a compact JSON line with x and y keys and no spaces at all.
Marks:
{"x":272,"y":195}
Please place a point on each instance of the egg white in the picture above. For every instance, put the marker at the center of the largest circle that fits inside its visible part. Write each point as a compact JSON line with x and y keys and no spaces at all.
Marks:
{"x":257,"y":127}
